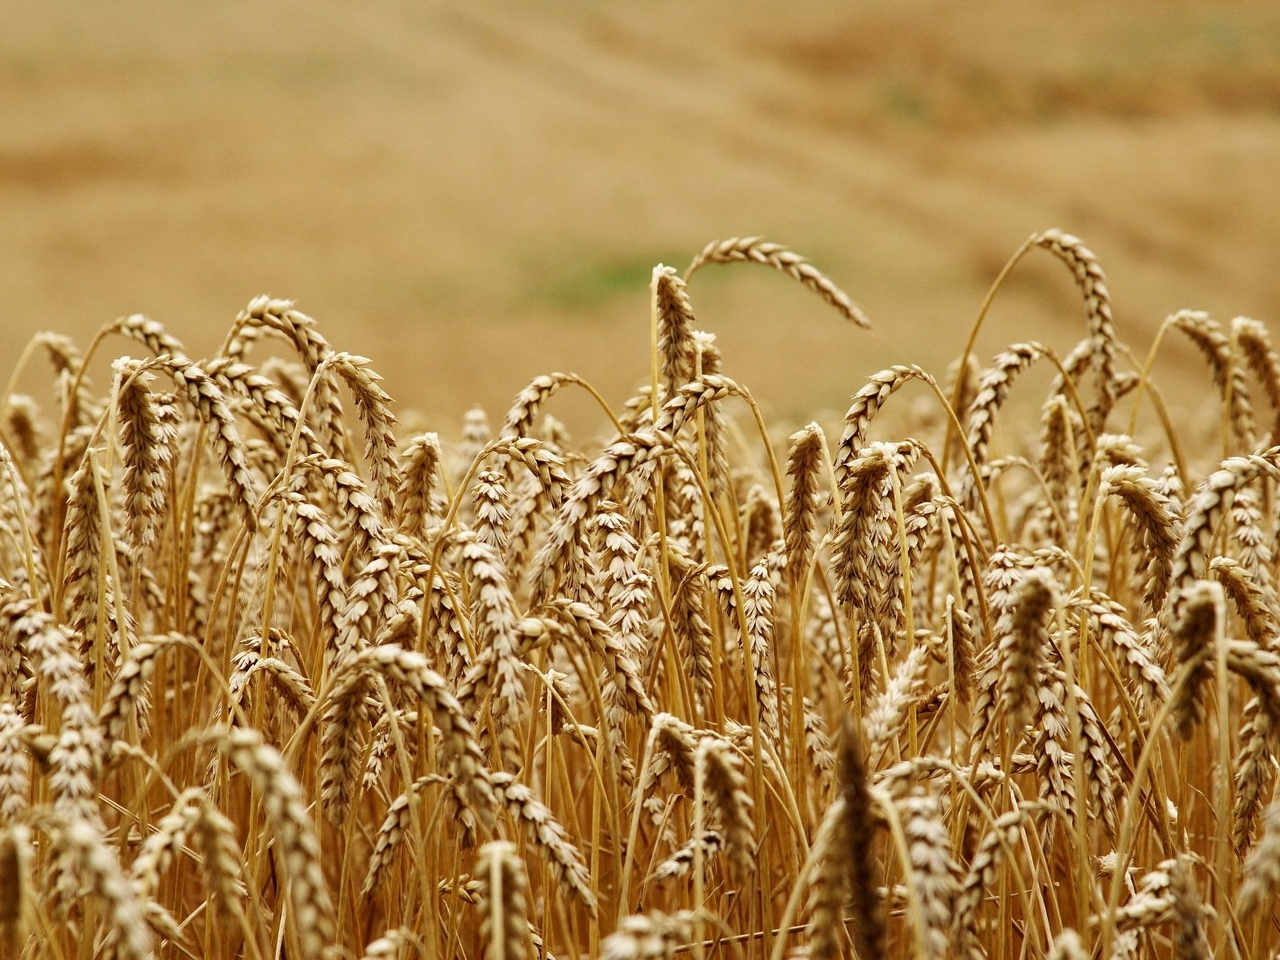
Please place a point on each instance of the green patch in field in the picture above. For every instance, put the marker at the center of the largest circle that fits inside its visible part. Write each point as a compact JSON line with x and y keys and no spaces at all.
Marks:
{"x":581,"y":284}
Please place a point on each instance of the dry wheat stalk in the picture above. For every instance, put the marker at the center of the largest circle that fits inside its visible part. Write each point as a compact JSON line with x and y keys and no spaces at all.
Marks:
{"x":1097,"y":303}
{"x":866,"y":404}
{"x":14,"y":852}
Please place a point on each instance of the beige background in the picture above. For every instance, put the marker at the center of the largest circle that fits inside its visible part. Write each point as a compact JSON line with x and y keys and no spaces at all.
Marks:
{"x":475,"y":193}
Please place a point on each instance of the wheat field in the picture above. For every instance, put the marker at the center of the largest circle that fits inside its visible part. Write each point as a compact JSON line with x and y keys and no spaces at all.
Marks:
{"x":278,"y":681}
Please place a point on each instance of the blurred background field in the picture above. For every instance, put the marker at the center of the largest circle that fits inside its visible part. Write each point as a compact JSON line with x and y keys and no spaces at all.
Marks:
{"x":475,"y":193}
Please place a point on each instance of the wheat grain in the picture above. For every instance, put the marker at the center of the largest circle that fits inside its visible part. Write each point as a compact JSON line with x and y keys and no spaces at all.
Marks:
{"x":504,"y":925}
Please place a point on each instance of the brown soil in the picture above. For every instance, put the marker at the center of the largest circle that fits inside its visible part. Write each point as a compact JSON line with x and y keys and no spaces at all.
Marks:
{"x":475,"y":193}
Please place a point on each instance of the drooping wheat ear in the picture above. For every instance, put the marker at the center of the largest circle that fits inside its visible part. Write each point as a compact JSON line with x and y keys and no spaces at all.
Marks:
{"x":73,"y":397}
{"x":649,"y":936}
{"x":299,"y":330}
{"x":547,"y":835}
{"x":1157,"y":523}
{"x":129,"y":687}
{"x":998,"y":843}
{"x":268,"y":407}
{"x":323,"y":553}
{"x":1201,"y":615}
{"x":489,"y":500}
{"x":1254,"y":342}
{"x":14,"y":850}
{"x":804,"y":462}
{"x":1203,"y":513}
{"x":775,"y":255}
{"x":621,"y":670}
{"x":98,"y":866}
{"x":1208,"y":336}
{"x":884,"y":717}
{"x":443,"y":621}
{"x":191,"y":816}
{"x":1109,"y":622}
{"x":672,"y":744}
{"x":1150,"y":902}
{"x":49,"y":649}
{"x":866,"y":404}
{"x":1098,"y":316}
{"x":993,"y":389}
{"x":417,"y":502}
{"x":386,"y":744}
{"x":932,"y":870}
{"x":504,"y":921}
{"x":148,"y":430}
{"x":529,"y":402}
{"x":214,"y":838}
{"x":1190,"y":941}
{"x":558,"y":558}
{"x":1100,"y":778}
{"x":691,"y":396}
{"x":374,"y":408}
{"x":1254,"y":772}
{"x":391,"y":834}
{"x":461,"y":753}
{"x":203,"y":393}
{"x":1253,"y":603}
{"x":723,"y":790}
{"x":701,"y":847}
{"x":145,"y":330}
{"x":294,"y":836}
{"x":15,"y":765}
{"x":499,"y":647}
{"x":542,"y":497}
{"x":288,"y":688}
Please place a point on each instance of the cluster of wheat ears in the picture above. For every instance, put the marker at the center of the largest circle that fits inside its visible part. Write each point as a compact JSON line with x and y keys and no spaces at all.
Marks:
{"x":275,"y":682}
